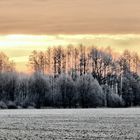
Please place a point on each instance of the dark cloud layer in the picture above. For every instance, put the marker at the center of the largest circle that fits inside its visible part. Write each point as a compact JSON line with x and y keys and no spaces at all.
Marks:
{"x":69,"y":16}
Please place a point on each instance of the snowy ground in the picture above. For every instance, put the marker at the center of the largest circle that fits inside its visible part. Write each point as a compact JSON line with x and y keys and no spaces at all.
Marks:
{"x":79,"y":124}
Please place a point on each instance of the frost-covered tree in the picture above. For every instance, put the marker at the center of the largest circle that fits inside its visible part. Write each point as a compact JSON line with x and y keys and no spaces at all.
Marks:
{"x":8,"y":82}
{"x":39,"y":88}
{"x":89,"y":91}
{"x":112,"y":99}
{"x":22,"y":89}
{"x":66,"y":91}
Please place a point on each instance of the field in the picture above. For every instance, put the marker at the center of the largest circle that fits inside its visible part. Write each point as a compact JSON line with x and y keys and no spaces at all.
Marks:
{"x":74,"y":124}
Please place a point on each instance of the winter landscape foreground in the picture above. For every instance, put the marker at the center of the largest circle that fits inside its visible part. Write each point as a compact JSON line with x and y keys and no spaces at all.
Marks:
{"x":79,"y":124}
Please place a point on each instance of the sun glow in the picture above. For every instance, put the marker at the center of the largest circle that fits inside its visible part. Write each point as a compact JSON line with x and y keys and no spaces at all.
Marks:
{"x":19,"y":46}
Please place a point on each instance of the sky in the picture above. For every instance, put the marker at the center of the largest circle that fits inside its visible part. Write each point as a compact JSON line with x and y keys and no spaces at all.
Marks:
{"x":36,"y":24}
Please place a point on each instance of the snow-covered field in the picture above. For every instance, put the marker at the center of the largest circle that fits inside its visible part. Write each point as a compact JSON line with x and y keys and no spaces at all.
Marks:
{"x":79,"y":124}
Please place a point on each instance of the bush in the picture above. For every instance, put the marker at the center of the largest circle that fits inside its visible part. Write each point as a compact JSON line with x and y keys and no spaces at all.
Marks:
{"x":90,"y":93}
{"x":30,"y":107}
{"x":26,"y":104}
{"x":114,"y":100}
{"x":11,"y":105}
{"x":3,"y":105}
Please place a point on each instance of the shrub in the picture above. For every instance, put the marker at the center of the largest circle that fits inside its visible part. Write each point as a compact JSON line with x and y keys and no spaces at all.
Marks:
{"x":3,"y":105}
{"x":11,"y":105}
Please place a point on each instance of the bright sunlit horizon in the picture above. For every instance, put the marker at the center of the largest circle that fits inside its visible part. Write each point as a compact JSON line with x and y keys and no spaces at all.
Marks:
{"x":18,"y":47}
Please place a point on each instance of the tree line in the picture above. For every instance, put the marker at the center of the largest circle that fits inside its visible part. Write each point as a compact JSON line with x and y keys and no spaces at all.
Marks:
{"x":74,"y":77}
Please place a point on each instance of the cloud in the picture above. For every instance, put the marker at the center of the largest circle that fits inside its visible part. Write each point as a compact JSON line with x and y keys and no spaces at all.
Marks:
{"x":69,"y":16}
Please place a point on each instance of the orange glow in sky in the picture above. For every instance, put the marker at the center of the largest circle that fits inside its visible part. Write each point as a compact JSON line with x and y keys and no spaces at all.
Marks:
{"x":19,"y":46}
